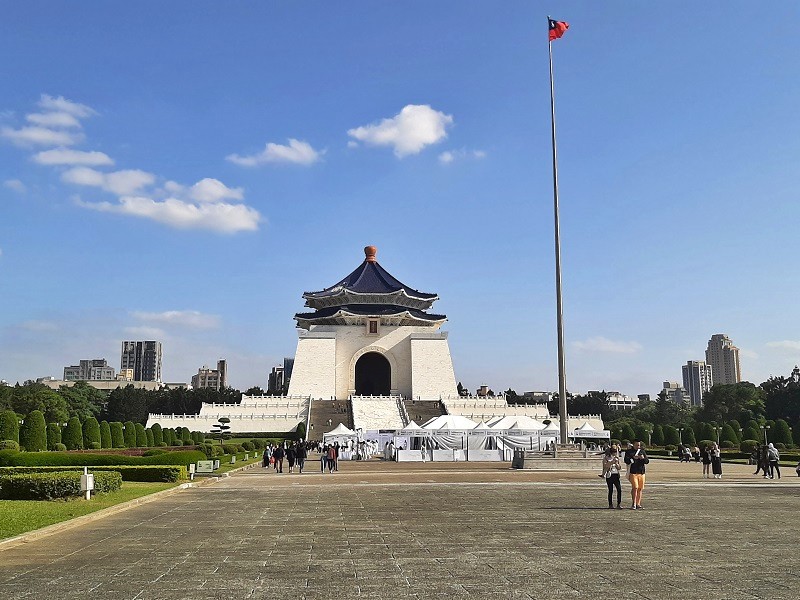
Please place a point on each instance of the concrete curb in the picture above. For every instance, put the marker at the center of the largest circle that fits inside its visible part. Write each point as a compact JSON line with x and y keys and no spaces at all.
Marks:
{"x":36,"y":534}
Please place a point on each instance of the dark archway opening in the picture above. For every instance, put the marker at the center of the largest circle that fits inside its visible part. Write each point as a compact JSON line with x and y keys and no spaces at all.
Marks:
{"x":373,"y":375}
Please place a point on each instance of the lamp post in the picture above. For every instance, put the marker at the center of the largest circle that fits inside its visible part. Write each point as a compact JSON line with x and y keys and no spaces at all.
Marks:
{"x":765,"y":429}
{"x":718,"y":430}
{"x":680,"y":436}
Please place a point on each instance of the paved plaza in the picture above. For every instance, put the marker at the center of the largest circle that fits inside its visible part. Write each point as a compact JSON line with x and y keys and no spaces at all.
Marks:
{"x":387,"y":530}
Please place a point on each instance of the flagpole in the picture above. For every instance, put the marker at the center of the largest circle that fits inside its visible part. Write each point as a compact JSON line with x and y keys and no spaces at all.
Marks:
{"x":562,"y":375}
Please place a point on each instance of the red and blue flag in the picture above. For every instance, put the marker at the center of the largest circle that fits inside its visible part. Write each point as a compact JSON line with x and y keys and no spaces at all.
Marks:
{"x":556,"y":28}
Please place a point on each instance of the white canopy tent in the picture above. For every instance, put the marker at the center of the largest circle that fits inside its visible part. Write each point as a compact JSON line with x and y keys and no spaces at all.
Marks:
{"x":341,"y":433}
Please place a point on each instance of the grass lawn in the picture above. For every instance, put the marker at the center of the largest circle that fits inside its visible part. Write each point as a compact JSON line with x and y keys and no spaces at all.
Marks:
{"x":19,"y":516}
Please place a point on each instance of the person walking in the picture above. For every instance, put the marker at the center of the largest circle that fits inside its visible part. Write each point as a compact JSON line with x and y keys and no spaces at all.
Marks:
{"x":290,"y":457}
{"x":266,"y":457}
{"x":716,"y":461}
{"x":611,"y":470}
{"x":705,"y":458}
{"x":331,"y":458}
{"x":774,"y":457}
{"x":279,"y":453}
{"x":301,"y":454}
{"x":636,"y":459}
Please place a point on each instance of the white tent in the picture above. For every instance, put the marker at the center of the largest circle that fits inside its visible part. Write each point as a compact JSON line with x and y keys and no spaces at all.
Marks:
{"x":587,"y":431}
{"x":516,"y":422}
{"x":341,"y":433}
{"x":450,"y":422}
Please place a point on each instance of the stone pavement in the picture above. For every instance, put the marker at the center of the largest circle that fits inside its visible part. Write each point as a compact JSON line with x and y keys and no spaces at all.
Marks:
{"x":385,"y":530}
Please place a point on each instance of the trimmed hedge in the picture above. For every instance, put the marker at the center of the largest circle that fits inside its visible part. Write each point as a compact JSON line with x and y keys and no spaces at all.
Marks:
{"x":9,"y":445}
{"x":158,"y":435}
{"x":33,"y":433}
{"x":53,"y":435}
{"x":129,"y":434}
{"x":148,"y":473}
{"x":11,"y":458}
{"x":72,"y":435}
{"x":91,"y":434}
{"x":9,"y":426}
{"x":105,"y":435}
{"x":49,"y":486}
{"x":117,"y":434}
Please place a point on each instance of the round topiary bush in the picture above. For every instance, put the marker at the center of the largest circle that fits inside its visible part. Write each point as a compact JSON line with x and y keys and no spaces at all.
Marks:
{"x":780,"y":445}
{"x":9,"y":426}
{"x":94,"y":445}
{"x":207,"y":449}
{"x":248,"y":446}
{"x":177,"y":442}
{"x":748,"y":445}
{"x":153,"y":452}
{"x":162,"y":444}
{"x":625,"y":442}
{"x":727,"y":444}
{"x":33,"y":433}
{"x":9,"y":445}
{"x":91,"y":433}
{"x":670,"y":448}
{"x":59,"y":447}
{"x":707,"y":443}
{"x":72,"y":436}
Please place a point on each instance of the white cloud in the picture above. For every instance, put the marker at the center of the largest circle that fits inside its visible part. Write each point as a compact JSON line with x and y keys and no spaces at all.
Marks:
{"x":601,"y":344}
{"x":16,"y":185}
{"x":191,"y":319}
{"x":449,"y":156}
{"x":219,"y":216}
{"x":40,"y":136}
{"x":61,"y":104}
{"x":38,"y":326}
{"x":146,"y":333}
{"x":213,"y":190}
{"x":121,"y":183}
{"x":53,"y":119}
{"x":65,"y":156}
{"x":413,"y":128}
{"x":790,"y":345}
{"x":297,"y":152}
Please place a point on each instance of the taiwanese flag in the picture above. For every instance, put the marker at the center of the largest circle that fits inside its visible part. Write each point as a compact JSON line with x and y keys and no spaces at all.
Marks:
{"x":557,"y":28}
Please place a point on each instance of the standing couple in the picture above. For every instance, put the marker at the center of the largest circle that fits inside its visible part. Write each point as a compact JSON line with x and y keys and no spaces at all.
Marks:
{"x":636,"y":459}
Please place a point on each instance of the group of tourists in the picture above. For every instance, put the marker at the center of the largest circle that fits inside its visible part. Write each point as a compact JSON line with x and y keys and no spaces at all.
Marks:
{"x":767,"y":458}
{"x":295,"y":454}
{"x":635,"y":460}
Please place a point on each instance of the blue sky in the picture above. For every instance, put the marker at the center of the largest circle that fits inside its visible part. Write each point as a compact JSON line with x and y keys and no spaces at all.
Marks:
{"x":185,"y":171}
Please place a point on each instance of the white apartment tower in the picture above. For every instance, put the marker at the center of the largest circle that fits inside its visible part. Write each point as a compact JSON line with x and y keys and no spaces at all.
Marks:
{"x":697,"y":380}
{"x":723,"y":357}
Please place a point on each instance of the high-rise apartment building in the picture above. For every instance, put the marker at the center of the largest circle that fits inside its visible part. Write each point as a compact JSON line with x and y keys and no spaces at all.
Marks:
{"x":143,"y":358}
{"x":95,"y":369}
{"x":279,"y":377}
{"x":723,"y":357}
{"x":216,"y":379}
{"x":697,"y":380}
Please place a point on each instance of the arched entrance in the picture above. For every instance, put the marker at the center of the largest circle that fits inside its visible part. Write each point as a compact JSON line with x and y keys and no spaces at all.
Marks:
{"x":373,"y":375}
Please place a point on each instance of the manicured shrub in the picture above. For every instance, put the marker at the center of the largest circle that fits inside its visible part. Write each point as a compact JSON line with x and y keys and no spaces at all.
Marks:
{"x":248,"y":446}
{"x":781,"y":433}
{"x":59,"y":448}
{"x":301,"y":431}
{"x":780,"y":445}
{"x":727,"y":444}
{"x":186,"y":436}
{"x":230,"y":448}
{"x":150,"y":441}
{"x":141,"y":436}
{"x":670,"y":448}
{"x":728,"y":435}
{"x":72,"y":436}
{"x":207,"y":449}
{"x":129,"y":434}
{"x":748,"y":446}
{"x":94,"y":446}
{"x":736,"y":426}
{"x":91,"y":433}
{"x":169,"y":436}
{"x":671,"y":436}
{"x":53,"y":435}
{"x":105,"y":435}
{"x":657,"y":438}
{"x":117,"y":434}
{"x":163,"y":444}
{"x":9,"y":426}
{"x":33,"y":432}
{"x":151,"y":473}
{"x":177,"y":442}
{"x":706,"y":443}
{"x":153,"y":452}
{"x":258,"y":443}
{"x":158,"y":435}
{"x":10,"y":458}
{"x":49,"y":486}
{"x":688,"y":437}
{"x":9,"y":445}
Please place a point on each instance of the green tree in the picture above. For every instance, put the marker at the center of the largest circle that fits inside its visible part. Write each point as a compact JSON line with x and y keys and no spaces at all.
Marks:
{"x":642,"y":432}
{"x":72,"y":436}
{"x":117,"y":434}
{"x":657,"y":438}
{"x":91,"y":432}
{"x":128,"y":404}
{"x":37,"y":396}
{"x":9,"y":426}
{"x":150,"y":441}
{"x":736,"y":427}
{"x":141,"y":436}
{"x":158,"y":434}
{"x":130,"y":434}
{"x":186,"y":436}
{"x":105,"y":435}
{"x":33,"y":433}
{"x":733,"y":401}
{"x":301,"y":430}
{"x":53,"y":435}
{"x":796,"y":433}
{"x":781,"y":433}
{"x":83,"y":400}
{"x":627,"y":433}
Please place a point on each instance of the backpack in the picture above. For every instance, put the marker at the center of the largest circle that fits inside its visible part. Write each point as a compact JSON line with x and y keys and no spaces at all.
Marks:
{"x":773,"y":454}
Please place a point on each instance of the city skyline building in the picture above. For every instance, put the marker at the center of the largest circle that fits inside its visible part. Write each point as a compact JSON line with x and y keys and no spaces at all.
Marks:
{"x":143,"y":358}
{"x":676,"y":393}
{"x":279,"y":378}
{"x":215,"y":379}
{"x":95,"y":369}
{"x":723,"y":357}
{"x":697,"y":380}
